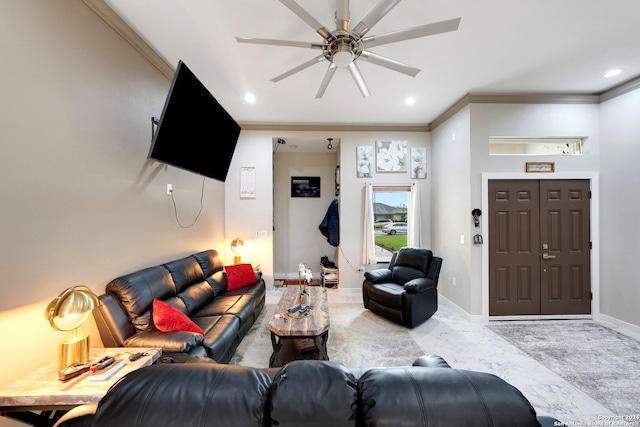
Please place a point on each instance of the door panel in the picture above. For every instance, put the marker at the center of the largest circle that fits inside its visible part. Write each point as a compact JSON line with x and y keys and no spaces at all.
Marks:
{"x":514,"y":277}
{"x":539,"y":247}
{"x":565,"y":278}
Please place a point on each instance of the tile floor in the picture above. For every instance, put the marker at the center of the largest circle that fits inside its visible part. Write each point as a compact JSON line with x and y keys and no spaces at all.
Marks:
{"x":470,"y":345}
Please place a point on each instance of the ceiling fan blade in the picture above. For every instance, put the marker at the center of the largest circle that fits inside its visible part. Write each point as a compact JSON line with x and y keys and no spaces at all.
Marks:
{"x":326,"y":80}
{"x":389,"y":63}
{"x":342,"y":15}
{"x":274,"y":42}
{"x":298,"y":68}
{"x":412,"y":33}
{"x":374,"y":16}
{"x":357,"y":77}
{"x":306,"y":17}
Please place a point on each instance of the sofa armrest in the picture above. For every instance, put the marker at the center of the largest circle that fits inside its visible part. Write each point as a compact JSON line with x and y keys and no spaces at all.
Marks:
{"x":378,"y":275}
{"x":418,"y":285}
{"x":169,"y":342}
{"x":80,"y":416}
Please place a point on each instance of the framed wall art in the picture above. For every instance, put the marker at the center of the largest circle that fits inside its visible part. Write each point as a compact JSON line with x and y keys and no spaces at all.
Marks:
{"x":391,"y":156}
{"x":418,"y":162}
{"x":305,"y":186}
{"x":548,"y":167}
{"x":364,"y":159}
{"x":247,"y":182}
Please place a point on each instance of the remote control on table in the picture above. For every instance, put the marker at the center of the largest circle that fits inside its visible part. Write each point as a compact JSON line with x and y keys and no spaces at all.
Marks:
{"x":104,"y":362}
{"x":295,"y":308}
{"x":136,"y":356}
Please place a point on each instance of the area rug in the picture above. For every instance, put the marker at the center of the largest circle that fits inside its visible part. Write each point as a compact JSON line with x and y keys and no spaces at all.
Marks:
{"x":602,"y":363}
{"x":357,"y":338}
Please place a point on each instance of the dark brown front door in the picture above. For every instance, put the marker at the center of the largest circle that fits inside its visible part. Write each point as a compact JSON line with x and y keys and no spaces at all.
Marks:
{"x":539,"y":247}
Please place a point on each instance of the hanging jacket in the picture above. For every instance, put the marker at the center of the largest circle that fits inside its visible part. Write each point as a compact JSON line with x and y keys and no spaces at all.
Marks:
{"x":330,"y":225}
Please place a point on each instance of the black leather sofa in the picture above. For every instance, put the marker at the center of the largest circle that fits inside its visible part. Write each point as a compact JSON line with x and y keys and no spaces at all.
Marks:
{"x":197,"y":286}
{"x":406,"y":292}
{"x":309,"y":393}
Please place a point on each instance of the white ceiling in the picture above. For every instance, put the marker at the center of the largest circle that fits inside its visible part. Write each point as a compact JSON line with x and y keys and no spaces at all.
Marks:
{"x":501,"y":47}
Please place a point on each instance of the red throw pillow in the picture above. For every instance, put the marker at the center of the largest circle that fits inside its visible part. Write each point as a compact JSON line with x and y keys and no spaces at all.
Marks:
{"x":239,"y":275}
{"x":170,"y":319}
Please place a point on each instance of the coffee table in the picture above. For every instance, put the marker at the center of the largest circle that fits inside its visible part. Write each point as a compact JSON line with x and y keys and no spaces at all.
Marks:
{"x":300,"y":338}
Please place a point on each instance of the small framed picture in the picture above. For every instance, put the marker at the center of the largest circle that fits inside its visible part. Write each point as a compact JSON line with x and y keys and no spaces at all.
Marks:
{"x":391,"y":156}
{"x":305,"y":186}
{"x":364,"y":159}
{"x":418,"y":162}
{"x":548,"y":167}
{"x":247,"y":182}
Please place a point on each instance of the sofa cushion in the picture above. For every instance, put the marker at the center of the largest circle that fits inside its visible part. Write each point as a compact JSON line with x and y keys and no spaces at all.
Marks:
{"x":186,"y":394}
{"x":417,"y":258}
{"x":196,"y":296}
{"x":136,"y":292}
{"x":169,"y":319}
{"x":218,"y":282}
{"x":185,"y":272}
{"x":306,"y":390}
{"x":239,"y":275}
{"x":440,"y":397}
{"x":209,"y":261}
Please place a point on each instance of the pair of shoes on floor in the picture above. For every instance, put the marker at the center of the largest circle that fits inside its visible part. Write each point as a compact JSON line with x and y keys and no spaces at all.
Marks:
{"x":326,"y":263}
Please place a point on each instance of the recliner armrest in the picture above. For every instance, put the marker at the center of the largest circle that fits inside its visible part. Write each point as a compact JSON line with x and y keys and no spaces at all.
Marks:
{"x":170,"y":342}
{"x":378,"y":275}
{"x":418,"y":285}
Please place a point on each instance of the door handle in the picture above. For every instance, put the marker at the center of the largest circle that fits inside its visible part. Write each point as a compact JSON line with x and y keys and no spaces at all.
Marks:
{"x":547,"y":256}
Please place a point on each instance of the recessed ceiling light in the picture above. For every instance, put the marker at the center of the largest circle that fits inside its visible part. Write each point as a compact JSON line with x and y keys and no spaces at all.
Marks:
{"x":250,"y":98}
{"x":612,"y":73}
{"x":410,"y":100}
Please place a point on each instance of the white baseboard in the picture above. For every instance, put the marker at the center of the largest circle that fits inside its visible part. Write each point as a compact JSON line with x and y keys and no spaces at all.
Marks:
{"x":620,"y":324}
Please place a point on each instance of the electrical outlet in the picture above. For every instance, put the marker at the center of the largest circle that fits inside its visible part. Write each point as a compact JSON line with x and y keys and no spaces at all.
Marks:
{"x":169,"y":189}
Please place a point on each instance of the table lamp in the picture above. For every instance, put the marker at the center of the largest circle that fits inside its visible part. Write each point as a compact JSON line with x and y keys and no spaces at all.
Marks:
{"x":236,"y":246}
{"x":67,"y":312}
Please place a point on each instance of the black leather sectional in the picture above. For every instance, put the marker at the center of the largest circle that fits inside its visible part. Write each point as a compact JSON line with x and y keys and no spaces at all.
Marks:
{"x":310,"y":393}
{"x":197,"y":286}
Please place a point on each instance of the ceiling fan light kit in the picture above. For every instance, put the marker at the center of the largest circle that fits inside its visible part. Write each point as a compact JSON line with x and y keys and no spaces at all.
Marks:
{"x":343,"y":47}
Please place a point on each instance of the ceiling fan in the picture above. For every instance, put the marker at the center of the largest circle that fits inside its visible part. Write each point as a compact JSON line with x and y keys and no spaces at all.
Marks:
{"x":344,"y":46}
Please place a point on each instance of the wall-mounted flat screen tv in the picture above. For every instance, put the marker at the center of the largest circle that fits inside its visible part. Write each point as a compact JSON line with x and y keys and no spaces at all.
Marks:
{"x":194,"y":132}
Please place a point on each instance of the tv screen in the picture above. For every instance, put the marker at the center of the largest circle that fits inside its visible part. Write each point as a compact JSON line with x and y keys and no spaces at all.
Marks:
{"x":194,"y":132}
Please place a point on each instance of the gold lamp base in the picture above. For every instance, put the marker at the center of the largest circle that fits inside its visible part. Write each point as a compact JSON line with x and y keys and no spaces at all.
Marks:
{"x":73,"y":350}
{"x":237,"y":259}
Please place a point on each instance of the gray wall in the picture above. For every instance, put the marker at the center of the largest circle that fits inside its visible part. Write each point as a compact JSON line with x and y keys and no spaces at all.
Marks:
{"x":620,"y":185}
{"x":81,"y":204}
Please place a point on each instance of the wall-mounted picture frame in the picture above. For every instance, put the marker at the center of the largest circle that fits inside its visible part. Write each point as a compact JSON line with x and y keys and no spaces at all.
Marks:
{"x":305,"y":186}
{"x":364,"y":159}
{"x":540,"y":167}
{"x":391,"y":156}
{"x":418,"y":162}
{"x":247,"y":182}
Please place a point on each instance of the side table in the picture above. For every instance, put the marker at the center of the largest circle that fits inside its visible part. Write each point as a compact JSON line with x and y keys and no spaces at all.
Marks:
{"x":40,"y":398}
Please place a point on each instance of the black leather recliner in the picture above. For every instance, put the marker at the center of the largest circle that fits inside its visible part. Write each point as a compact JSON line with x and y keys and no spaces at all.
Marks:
{"x":406,"y":292}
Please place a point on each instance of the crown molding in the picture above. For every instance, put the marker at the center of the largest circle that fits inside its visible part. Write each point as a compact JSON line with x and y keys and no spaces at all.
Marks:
{"x":124,"y":30}
{"x":334,"y":127}
{"x":514,"y":98}
{"x":621,"y":89}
